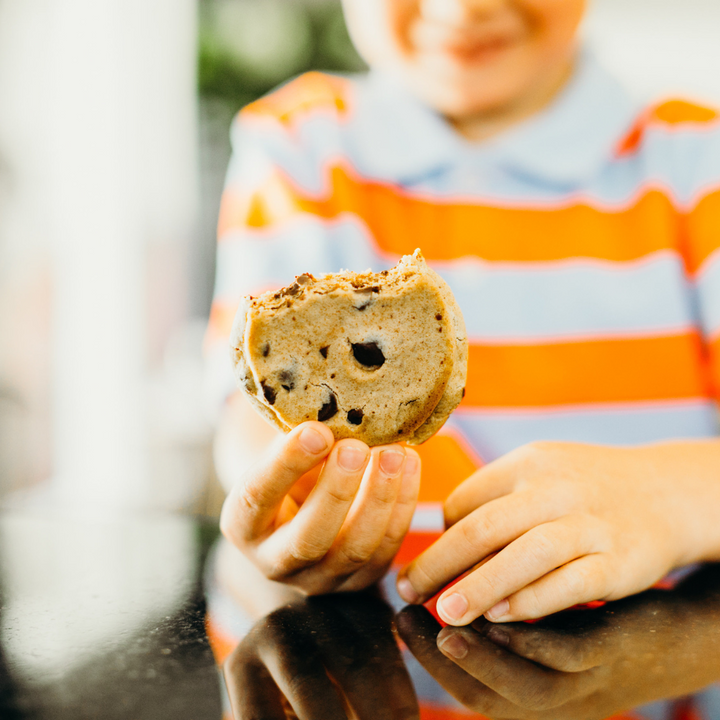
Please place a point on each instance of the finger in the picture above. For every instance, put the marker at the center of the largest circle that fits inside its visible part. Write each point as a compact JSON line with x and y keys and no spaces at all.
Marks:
{"x":581,"y":581}
{"x":397,"y":528}
{"x":365,"y":526}
{"x":489,"y":528}
{"x":488,"y":483}
{"x":251,"y":690}
{"x":536,"y":553}
{"x":520,"y":681}
{"x":295,"y":664}
{"x":362,"y":656}
{"x":306,"y":539}
{"x":556,"y":648}
{"x":250,"y":508}
{"x":419,"y":630}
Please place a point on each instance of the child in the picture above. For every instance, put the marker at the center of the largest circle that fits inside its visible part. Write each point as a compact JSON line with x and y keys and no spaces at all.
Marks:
{"x":579,"y":233}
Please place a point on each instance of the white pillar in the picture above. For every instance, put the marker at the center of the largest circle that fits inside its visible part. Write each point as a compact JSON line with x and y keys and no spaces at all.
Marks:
{"x":121,"y":162}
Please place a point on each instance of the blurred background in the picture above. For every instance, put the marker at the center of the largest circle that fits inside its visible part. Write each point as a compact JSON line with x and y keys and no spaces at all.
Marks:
{"x":114,"y":119}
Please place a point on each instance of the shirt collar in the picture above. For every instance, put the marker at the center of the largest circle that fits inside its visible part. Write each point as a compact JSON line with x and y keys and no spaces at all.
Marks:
{"x":397,"y":137}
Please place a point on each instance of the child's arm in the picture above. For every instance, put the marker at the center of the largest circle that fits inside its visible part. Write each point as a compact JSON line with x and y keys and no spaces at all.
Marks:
{"x":570,"y":523}
{"x":308,"y":512}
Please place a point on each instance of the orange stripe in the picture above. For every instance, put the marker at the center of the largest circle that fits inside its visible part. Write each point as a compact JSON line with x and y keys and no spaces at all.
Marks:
{"x":678,"y":112}
{"x":221,"y":643}
{"x":602,"y":371}
{"x":714,"y":362}
{"x":310,"y":92}
{"x":700,"y":231}
{"x":444,"y":231}
{"x":445,"y":464}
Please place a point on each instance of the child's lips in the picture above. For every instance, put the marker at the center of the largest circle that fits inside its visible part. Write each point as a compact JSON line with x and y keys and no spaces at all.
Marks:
{"x":465,"y":50}
{"x":477,"y":52}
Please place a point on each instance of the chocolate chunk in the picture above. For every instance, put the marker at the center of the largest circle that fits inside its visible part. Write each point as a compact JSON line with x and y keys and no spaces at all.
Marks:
{"x":266,"y":349}
{"x":355,"y":417}
{"x":287,"y":379}
{"x":360,"y":290}
{"x":269,"y":393}
{"x":324,"y":351}
{"x":438,"y":317}
{"x":368,"y":354}
{"x":364,"y":304}
{"x":463,"y":392}
{"x":297,"y":286}
{"x":329,"y":409}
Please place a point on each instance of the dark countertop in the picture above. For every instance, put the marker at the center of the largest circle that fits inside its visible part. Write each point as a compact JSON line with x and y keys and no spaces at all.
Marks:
{"x":104,"y":618}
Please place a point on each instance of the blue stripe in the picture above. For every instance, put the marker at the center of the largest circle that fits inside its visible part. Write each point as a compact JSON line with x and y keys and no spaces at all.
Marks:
{"x":708,"y":292}
{"x":493,"y":434}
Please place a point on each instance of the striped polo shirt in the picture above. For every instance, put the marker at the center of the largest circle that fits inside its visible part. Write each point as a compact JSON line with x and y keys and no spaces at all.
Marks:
{"x":582,"y":246}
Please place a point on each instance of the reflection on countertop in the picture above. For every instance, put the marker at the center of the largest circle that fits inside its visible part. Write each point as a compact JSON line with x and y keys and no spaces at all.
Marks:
{"x":325,"y":657}
{"x":104,"y":617}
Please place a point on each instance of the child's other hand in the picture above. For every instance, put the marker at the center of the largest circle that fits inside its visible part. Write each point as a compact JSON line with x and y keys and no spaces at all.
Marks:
{"x":564,"y":524}
{"x":323,"y":527}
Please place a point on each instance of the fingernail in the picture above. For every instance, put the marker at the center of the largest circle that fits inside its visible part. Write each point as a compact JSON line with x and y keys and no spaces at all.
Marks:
{"x":412,"y":464}
{"x":498,"y":636}
{"x":454,"y":644}
{"x":391,"y":461}
{"x":351,"y":458}
{"x":312,"y":441}
{"x":497,"y":612}
{"x":407,"y":591}
{"x":454,"y":606}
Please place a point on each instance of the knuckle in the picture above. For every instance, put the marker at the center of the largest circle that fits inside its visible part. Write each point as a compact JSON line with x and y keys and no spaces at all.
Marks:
{"x":356,"y":557}
{"x":305,"y":552}
{"x":393,"y":537}
{"x":476,"y":531}
{"x":276,"y":573}
{"x":542,"y":550}
{"x":339,"y":495}
{"x":384,"y":497}
{"x":576,"y":583}
{"x":250,"y":500}
{"x":529,"y":603}
{"x":289,"y":464}
{"x":537,"y":454}
{"x":422,"y":579}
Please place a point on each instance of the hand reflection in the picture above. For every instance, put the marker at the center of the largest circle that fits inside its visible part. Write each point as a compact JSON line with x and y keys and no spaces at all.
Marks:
{"x":324,"y":657}
{"x":584,"y":664}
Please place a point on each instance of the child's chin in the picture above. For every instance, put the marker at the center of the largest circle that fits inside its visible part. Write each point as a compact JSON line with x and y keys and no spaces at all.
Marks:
{"x":464,"y":92}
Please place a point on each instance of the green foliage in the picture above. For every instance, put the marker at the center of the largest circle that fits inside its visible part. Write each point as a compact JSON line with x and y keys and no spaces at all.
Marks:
{"x":247,"y":47}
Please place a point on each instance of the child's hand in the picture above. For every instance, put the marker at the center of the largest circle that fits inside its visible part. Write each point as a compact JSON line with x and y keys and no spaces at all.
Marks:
{"x":570,"y":524}
{"x":587,"y":664}
{"x":331,"y":657}
{"x":338,"y":531}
